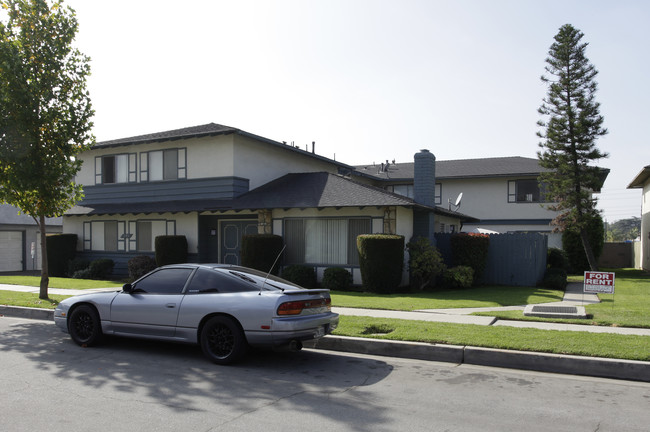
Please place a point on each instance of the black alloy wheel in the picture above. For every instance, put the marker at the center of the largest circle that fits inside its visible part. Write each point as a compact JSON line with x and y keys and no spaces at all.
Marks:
{"x":222,"y":340}
{"x":85,"y":326}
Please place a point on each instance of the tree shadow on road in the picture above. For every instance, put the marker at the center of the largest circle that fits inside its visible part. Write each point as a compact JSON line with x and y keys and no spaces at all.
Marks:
{"x":179,"y":377}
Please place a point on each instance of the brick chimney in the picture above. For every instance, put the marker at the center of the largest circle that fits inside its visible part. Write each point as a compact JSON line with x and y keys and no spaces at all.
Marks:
{"x":424,"y":192}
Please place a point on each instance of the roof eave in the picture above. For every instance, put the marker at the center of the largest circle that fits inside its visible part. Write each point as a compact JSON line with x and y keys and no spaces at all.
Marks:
{"x":641,"y":179}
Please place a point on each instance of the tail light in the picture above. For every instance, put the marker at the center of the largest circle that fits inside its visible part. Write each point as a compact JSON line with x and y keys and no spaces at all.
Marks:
{"x":297,"y":307}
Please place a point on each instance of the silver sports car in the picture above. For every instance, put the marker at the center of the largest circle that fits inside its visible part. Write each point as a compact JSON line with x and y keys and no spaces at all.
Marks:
{"x":223,"y":308}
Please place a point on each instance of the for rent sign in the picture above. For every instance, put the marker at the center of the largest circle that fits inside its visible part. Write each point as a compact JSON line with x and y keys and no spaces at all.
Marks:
{"x":599,"y":282}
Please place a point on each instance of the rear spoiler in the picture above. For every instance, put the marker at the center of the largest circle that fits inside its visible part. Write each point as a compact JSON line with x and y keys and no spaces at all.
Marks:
{"x":307,"y":291}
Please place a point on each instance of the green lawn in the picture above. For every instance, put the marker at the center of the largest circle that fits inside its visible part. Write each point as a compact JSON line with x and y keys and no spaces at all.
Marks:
{"x":484,"y":296}
{"x":560,"y":342}
{"x":629,"y":306}
{"x":57,"y":282}
{"x":15,"y":298}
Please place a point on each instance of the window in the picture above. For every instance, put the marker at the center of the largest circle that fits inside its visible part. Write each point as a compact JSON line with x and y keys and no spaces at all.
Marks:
{"x":324,"y":241}
{"x":524,"y":191}
{"x":407,"y":191}
{"x":207,"y":281}
{"x":114,"y":236}
{"x":148,"y":230}
{"x":165,"y":281}
{"x":105,"y":236}
{"x":163,"y":165}
{"x":115,"y":169}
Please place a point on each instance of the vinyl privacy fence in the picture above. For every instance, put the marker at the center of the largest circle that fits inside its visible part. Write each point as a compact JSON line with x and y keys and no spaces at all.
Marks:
{"x":517,"y":259}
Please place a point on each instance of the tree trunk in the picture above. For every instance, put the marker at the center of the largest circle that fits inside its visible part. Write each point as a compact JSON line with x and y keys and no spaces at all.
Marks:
{"x":45,"y":278}
{"x":593,"y":265}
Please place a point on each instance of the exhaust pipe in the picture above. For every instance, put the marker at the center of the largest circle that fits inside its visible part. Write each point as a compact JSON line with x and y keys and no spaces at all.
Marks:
{"x":295,"y":345}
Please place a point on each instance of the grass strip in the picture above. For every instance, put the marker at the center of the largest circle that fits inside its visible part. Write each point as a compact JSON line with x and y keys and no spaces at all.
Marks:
{"x":62,"y":283}
{"x":483,"y":296}
{"x":630,"y":347}
{"x":15,"y":298}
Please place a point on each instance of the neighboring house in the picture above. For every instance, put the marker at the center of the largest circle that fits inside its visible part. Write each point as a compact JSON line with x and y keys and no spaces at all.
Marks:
{"x":214,"y":183}
{"x":642,"y":181}
{"x":20,"y":248}
{"x":502,"y":192}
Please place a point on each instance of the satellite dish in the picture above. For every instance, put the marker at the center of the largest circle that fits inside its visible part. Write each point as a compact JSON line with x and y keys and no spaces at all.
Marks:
{"x":457,"y":203}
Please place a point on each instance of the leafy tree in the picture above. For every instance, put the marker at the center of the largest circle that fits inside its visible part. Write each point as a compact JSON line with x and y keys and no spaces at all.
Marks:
{"x":623,"y":230}
{"x":45,"y":112}
{"x":572,"y":123}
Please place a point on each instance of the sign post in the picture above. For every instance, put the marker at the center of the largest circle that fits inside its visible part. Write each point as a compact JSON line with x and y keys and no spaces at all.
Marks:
{"x":599,"y":282}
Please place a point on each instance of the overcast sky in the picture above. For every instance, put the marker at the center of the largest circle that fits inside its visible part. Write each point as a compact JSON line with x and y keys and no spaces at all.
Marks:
{"x":368,"y":81}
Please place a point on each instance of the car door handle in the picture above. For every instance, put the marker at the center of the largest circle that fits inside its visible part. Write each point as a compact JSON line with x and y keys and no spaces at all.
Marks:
{"x":170,"y":305}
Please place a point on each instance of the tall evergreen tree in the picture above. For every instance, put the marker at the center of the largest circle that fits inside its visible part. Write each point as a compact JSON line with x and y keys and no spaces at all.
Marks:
{"x":45,"y":112}
{"x":571,"y":125}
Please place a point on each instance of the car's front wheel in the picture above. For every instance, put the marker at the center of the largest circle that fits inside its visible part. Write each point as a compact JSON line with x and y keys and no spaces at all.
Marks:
{"x":222,"y":340}
{"x":84,"y":326}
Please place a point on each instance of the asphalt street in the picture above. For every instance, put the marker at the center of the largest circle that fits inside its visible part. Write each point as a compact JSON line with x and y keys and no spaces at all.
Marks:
{"x":49,"y":383}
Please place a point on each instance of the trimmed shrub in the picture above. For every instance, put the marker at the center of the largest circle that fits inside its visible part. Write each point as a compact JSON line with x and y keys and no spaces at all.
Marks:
{"x":336,"y":278}
{"x":171,"y":249}
{"x":425,"y":263}
{"x":261,"y":251}
{"x":77,"y":264}
{"x":302,"y":275}
{"x":139,"y":266}
{"x":458,"y":277}
{"x":61,"y":248}
{"x":555,"y":278}
{"x":470,"y":249}
{"x":572,"y":243}
{"x":381,"y":260}
{"x":557,"y":259}
{"x":101,"y":269}
{"x":82,"y":274}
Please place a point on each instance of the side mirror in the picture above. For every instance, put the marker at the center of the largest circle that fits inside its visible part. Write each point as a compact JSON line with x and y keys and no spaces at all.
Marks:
{"x":127,"y":288}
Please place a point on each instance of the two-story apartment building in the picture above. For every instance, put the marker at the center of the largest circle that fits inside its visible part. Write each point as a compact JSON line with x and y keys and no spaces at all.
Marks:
{"x":214,"y":183}
{"x":502,"y":192}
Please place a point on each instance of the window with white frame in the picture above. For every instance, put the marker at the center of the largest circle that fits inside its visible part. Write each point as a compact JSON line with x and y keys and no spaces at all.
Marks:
{"x":525,"y":191}
{"x":329,"y":241}
{"x":105,"y":236}
{"x":407,"y":191}
{"x":119,"y":168}
{"x":120,"y":236}
{"x":163,"y":165}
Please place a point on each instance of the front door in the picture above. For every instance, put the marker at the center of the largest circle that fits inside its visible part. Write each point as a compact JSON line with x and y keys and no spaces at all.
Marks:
{"x":231,"y":235}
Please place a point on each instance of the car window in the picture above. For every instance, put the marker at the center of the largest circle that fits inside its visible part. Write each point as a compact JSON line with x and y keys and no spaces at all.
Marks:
{"x":211,"y":281}
{"x":164,"y":281}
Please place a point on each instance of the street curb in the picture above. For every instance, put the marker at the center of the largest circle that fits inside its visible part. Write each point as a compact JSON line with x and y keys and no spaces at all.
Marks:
{"x":26,"y":312}
{"x":631,"y":370}
{"x":390,"y":348}
{"x":541,"y":362}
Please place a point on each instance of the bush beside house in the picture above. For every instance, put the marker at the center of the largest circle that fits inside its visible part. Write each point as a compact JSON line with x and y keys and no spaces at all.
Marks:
{"x":261,"y":252}
{"x":170,"y":249}
{"x":381,"y":258}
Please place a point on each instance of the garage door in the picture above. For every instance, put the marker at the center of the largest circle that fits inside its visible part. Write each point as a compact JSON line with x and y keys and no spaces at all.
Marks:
{"x":11,"y":250}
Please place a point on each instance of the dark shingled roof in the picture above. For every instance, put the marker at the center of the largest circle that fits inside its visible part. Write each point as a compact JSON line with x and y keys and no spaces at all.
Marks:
{"x":300,"y":190}
{"x":462,"y":168}
{"x":209,"y":129}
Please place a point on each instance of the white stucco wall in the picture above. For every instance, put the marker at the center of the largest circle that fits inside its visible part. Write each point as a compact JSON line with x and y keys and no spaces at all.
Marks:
{"x":645,"y":227}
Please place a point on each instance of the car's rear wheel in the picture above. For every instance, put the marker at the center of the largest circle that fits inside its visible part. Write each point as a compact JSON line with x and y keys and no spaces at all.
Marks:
{"x":222,"y":340}
{"x":84,"y":326}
